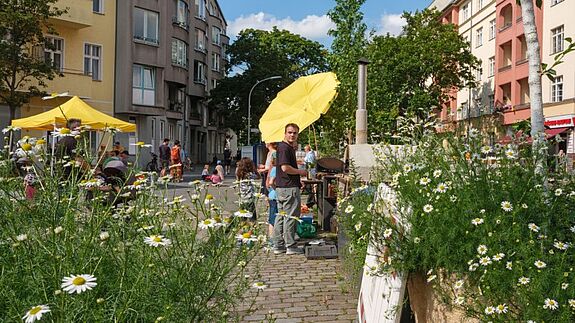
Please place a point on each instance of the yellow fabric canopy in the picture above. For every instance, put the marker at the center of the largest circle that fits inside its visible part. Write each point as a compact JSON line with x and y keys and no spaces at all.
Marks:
{"x":302,"y":103}
{"x":75,"y":108}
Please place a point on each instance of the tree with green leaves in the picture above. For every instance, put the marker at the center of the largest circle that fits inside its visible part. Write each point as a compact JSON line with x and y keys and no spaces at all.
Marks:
{"x":409,"y":74}
{"x":23,"y":69}
{"x":348,"y":46}
{"x":254,"y":56}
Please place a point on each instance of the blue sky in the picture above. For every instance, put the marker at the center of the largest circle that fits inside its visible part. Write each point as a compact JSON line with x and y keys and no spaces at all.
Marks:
{"x":308,"y":17}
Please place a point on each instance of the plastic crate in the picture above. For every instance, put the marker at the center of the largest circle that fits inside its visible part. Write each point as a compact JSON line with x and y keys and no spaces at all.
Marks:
{"x":307,"y":218}
{"x":321,"y":251}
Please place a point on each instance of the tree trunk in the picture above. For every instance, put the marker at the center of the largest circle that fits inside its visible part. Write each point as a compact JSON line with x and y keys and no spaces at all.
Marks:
{"x":12,"y":114}
{"x":533,"y":53}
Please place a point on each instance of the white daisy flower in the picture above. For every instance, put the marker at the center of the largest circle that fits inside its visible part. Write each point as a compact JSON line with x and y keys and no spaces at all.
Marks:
{"x":207,"y":223}
{"x":482,"y":249}
{"x":540,"y":264}
{"x":243,"y":214}
{"x":571,"y":303}
{"x":561,"y":245}
{"x":387,"y":233}
{"x":509,"y":265}
{"x":473,"y":267}
{"x":459,"y":300}
{"x":22,"y":237}
{"x":506,"y":206}
{"x":486,"y":149}
{"x":524,"y":206}
{"x":501,"y":308}
{"x":416,"y":240}
{"x":564,"y":286}
{"x":453,"y":198}
{"x":194,"y":197}
{"x":259,"y":286}
{"x":437,"y":173}
{"x":533,"y":227}
{"x":477,"y":221}
{"x":441,"y":188}
{"x":58,"y":229}
{"x":558,"y":192}
{"x":499,"y":256}
{"x":64,"y":132}
{"x":458,"y":284}
{"x":428,"y":208}
{"x":550,"y":304}
{"x":208,"y":199}
{"x":357,"y":226}
{"x":424,"y":181}
{"x":104,"y":235}
{"x":511,"y":154}
{"x":78,"y":283}
{"x":485,"y":261}
{"x":489,"y":310}
{"x":35,"y":313}
{"x":523,"y":280}
{"x":246,"y":237}
{"x":157,"y":240}
{"x":141,"y":144}
{"x":407,"y":168}
{"x":572,"y":229}
{"x":349,"y":209}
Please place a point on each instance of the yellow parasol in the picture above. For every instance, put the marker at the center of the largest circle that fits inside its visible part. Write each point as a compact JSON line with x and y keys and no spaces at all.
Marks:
{"x":75,"y":108}
{"x":302,"y":103}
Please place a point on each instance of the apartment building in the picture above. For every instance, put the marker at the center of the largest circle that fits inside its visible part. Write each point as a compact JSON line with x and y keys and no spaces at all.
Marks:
{"x":476,"y":21}
{"x":84,"y":54}
{"x":559,"y":93}
{"x":169,"y":55}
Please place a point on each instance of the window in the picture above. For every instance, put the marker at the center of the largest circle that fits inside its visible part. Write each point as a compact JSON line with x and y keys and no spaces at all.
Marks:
{"x":146,"y":26}
{"x":55,"y":55}
{"x":491,"y":70}
{"x":479,"y":37}
{"x":199,"y":72}
{"x":212,"y":9}
{"x":216,"y":35}
{"x":557,"y":39}
{"x":465,"y":12}
{"x":479,"y":4}
{"x":214,"y":83}
{"x":491,"y":99}
{"x":179,"y":53}
{"x":200,"y":40}
{"x":492,"y":29}
{"x":181,"y":18}
{"x":201,"y":9}
{"x":92,"y":61}
{"x":554,"y":2}
{"x":479,"y":74}
{"x":98,"y":6}
{"x":143,"y":85}
{"x":215,"y":62}
{"x":557,"y":89}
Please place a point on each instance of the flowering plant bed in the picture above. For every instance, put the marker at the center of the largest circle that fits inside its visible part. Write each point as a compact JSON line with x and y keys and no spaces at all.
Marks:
{"x":494,"y":239}
{"x":70,"y":256}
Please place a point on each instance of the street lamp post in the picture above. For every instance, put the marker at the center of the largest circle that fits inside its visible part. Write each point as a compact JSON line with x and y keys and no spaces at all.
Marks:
{"x":250,"y":102}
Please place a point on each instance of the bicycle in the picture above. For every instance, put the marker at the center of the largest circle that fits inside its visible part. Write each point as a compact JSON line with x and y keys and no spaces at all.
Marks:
{"x":152,"y":166}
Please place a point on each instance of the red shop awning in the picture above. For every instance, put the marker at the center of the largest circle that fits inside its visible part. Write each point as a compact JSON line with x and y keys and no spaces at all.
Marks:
{"x":550,"y":133}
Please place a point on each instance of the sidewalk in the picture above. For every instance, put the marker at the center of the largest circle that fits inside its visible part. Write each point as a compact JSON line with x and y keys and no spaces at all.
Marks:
{"x":301,"y":290}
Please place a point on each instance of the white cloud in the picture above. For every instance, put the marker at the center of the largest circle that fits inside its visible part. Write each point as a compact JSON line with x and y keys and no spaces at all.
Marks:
{"x":390,"y":23}
{"x":311,"y":27}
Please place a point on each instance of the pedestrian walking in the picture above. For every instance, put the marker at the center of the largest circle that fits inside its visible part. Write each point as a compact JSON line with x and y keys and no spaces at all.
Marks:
{"x":272,"y":196}
{"x":227,"y":160}
{"x":176,"y":162}
{"x":165,"y":156}
{"x":288,"y":185}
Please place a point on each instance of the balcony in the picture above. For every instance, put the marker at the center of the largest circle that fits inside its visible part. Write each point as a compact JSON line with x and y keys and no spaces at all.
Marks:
{"x":79,"y":14}
{"x":505,"y":27}
{"x":504,"y":68}
{"x":522,"y":61}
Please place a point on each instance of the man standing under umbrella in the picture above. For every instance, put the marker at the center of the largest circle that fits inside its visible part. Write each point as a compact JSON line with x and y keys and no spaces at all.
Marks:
{"x":288,"y":185}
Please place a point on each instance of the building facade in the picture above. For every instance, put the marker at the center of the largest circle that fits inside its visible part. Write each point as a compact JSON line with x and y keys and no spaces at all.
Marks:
{"x":169,"y":55}
{"x":84,"y":53}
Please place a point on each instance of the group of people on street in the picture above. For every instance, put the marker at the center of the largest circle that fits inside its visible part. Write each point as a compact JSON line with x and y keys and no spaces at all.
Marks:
{"x":171,"y":159}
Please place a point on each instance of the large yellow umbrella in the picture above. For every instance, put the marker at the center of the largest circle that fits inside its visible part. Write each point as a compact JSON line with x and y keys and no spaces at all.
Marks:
{"x":302,"y":103}
{"x":75,"y":108}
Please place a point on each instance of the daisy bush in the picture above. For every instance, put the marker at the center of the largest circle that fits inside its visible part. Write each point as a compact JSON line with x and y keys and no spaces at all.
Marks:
{"x":493,"y":238}
{"x":70,"y":256}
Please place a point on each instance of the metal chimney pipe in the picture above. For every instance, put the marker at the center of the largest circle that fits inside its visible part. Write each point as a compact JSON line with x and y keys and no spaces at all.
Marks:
{"x":361,"y":113}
